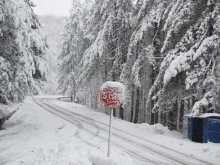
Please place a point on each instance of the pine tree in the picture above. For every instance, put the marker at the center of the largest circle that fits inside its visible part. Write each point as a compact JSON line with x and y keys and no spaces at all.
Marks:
{"x":190,"y":50}
{"x":165,"y":52}
{"x":23,"y":47}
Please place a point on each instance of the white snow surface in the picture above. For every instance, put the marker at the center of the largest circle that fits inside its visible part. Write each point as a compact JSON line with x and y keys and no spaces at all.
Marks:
{"x":204,"y":115}
{"x":5,"y":110}
{"x":112,"y":84}
{"x":34,"y":136}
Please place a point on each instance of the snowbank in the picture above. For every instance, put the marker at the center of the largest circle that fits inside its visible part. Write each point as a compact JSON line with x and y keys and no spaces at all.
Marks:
{"x":157,"y":134}
{"x":115,"y":159}
{"x":63,"y":153}
{"x":67,"y":153}
{"x":34,"y":136}
{"x":6,"y":112}
{"x":156,"y":128}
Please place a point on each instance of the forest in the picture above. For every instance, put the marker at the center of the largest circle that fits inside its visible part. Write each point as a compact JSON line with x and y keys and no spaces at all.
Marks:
{"x":166,"y":53}
{"x":23,"y":54}
{"x":23,"y":51}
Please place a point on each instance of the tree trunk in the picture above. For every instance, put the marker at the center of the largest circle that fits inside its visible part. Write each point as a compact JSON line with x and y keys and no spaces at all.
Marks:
{"x":114,"y":112}
{"x":178,"y":114}
{"x":121,"y":110}
{"x":132,"y":103}
{"x":137,"y":107}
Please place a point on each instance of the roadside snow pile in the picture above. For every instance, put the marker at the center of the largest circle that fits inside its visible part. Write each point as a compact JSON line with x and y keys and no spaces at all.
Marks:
{"x":115,"y":159}
{"x":67,"y":153}
{"x":156,"y":128}
{"x":3,"y":111}
{"x":159,"y":128}
{"x":63,"y":153}
{"x":6,"y":112}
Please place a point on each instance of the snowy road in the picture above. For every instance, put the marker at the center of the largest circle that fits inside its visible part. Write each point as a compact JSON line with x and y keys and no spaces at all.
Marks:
{"x":47,"y":131}
{"x":94,"y":132}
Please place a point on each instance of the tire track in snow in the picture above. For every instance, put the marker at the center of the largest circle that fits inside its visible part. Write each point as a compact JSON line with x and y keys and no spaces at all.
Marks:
{"x":79,"y":125}
{"x":128,"y":151}
{"x":185,"y":159}
{"x":70,"y":119}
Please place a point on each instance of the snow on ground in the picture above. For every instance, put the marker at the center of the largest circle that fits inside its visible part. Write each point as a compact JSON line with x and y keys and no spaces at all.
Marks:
{"x":34,"y":136}
{"x":5,"y":110}
{"x":154,"y":133}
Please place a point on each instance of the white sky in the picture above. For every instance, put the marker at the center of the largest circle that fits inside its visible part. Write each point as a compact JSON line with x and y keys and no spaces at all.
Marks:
{"x":55,"y":7}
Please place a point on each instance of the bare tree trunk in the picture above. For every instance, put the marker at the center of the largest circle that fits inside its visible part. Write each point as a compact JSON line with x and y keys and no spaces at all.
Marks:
{"x":135,"y":103}
{"x":132,"y":103}
{"x":159,"y":116}
{"x":137,"y":107}
{"x":178,"y":114}
{"x":121,"y":114}
{"x":90,"y":89}
{"x":74,"y":91}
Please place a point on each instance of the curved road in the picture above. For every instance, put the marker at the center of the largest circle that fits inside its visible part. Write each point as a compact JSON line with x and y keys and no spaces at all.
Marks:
{"x":141,"y":150}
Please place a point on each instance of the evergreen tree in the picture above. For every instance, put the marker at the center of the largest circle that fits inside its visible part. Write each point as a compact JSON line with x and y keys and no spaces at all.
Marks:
{"x":71,"y":50}
{"x":22,"y":51}
{"x":165,"y":52}
{"x":186,"y":77}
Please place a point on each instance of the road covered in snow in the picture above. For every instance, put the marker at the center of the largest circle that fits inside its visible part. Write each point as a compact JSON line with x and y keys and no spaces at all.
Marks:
{"x":48,"y":131}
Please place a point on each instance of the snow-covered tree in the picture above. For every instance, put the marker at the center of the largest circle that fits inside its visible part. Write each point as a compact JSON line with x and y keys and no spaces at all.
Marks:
{"x":142,"y":50}
{"x":165,"y":53}
{"x":53,"y":27}
{"x":73,"y":46}
{"x":23,"y":46}
{"x":186,"y":79}
{"x":94,"y":45}
{"x":109,"y":28}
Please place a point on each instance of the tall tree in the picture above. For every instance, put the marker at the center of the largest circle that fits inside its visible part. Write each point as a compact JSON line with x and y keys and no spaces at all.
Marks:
{"x":71,"y":50}
{"x":165,"y":52}
{"x":190,"y":48}
{"x":23,"y":47}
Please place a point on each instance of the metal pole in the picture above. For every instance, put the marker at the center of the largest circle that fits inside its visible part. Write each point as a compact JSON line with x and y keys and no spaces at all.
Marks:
{"x":110,"y":133}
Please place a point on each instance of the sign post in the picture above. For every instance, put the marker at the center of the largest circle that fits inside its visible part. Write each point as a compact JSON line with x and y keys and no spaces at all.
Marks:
{"x":110,"y":133}
{"x":112,"y":96}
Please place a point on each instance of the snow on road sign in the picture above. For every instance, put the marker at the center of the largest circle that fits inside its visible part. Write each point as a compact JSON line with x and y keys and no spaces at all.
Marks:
{"x":112,"y":94}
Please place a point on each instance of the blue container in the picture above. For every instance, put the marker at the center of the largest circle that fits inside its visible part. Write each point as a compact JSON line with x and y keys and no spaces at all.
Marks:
{"x":204,"y":128}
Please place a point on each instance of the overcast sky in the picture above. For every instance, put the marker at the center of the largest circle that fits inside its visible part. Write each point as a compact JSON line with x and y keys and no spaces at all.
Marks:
{"x":55,"y":7}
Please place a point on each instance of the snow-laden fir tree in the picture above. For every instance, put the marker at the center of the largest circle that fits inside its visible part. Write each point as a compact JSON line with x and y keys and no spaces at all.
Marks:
{"x":166,"y":53}
{"x":53,"y":27}
{"x":96,"y":56}
{"x":143,"y":47}
{"x":103,"y":59}
{"x":22,"y":51}
{"x":73,"y":46}
{"x":187,"y":76}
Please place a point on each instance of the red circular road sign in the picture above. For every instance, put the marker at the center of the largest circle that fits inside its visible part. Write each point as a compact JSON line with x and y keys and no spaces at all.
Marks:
{"x":112,"y":96}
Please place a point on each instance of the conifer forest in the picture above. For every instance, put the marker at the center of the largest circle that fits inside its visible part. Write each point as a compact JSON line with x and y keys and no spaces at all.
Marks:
{"x":166,"y":53}
{"x":109,"y":82}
